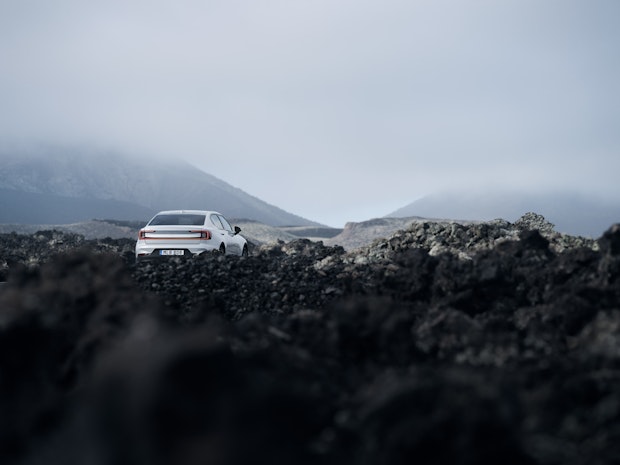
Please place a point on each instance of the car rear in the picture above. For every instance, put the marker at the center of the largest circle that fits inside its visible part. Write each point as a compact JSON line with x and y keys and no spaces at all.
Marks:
{"x":175,"y":234}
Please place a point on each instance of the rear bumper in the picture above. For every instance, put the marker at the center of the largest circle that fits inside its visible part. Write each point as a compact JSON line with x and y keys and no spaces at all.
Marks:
{"x":150,"y":250}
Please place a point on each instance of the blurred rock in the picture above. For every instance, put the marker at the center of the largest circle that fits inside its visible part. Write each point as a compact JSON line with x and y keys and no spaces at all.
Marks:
{"x":443,"y":343}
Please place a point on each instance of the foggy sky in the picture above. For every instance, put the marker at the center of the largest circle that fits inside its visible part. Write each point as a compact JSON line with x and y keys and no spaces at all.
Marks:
{"x":336,"y":110}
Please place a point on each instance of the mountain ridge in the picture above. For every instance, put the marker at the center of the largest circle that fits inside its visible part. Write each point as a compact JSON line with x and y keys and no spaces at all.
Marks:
{"x":571,"y":212}
{"x":39,"y":186}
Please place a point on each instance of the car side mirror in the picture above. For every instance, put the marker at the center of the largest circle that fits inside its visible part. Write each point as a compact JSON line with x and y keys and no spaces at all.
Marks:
{"x":237,"y":230}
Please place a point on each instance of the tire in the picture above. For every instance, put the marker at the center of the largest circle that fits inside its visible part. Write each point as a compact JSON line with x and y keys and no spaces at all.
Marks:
{"x":245,"y":252}
{"x":222,"y":249}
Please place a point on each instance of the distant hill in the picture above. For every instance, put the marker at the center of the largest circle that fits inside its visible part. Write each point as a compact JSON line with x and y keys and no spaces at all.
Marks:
{"x":67,"y":186}
{"x":318,"y":233}
{"x":363,"y":233}
{"x":256,"y":233}
{"x":570,"y":212}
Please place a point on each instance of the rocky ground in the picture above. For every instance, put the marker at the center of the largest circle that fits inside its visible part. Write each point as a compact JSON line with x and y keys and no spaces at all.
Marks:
{"x":445,"y":343}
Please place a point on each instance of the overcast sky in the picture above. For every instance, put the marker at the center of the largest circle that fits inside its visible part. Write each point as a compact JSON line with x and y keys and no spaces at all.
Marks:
{"x":336,"y":110}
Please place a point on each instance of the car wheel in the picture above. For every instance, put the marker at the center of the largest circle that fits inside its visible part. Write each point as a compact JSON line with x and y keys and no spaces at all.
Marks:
{"x":245,"y":253}
{"x":222,"y":248}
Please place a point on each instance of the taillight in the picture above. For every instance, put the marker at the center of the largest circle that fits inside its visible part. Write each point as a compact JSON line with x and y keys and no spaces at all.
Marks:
{"x":142,"y":234}
{"x":205,"y":235}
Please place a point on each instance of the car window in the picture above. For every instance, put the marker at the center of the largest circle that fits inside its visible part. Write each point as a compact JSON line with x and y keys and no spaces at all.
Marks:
{"x":216,"y":221}
{"x":178,"y":219}
{"x":225,"y":223}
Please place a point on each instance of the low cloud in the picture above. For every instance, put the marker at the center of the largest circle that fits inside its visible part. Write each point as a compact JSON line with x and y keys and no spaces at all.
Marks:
{"x":338,"y":104}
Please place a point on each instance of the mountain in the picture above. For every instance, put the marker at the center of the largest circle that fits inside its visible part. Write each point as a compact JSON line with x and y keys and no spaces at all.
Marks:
{"x":37,"y":208}
{"x":68,"y":186}
{"x":571,"y":212}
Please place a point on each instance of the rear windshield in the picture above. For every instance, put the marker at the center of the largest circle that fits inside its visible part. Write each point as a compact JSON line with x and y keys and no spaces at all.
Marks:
{"x":178,"y":219}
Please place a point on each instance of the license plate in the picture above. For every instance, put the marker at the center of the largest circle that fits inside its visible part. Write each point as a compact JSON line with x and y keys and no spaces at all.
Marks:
{"x":172,"y":252}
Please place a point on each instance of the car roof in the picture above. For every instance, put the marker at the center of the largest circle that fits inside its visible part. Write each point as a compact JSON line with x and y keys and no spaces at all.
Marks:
{"x":190,"y":212}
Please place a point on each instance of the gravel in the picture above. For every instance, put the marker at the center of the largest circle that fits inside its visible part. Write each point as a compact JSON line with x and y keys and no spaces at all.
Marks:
{"x":445,"y":343}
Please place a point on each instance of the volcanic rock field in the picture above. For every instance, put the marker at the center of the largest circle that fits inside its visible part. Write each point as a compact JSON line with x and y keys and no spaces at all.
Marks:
{"x":446,"y":343}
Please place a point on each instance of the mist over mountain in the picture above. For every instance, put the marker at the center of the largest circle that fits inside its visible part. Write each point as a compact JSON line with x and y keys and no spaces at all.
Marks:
{"x":67,"y":186}
{"x":570,"y":211}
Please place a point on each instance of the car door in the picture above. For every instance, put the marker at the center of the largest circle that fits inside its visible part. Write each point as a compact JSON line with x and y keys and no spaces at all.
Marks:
{"x":221,"y":234}
{"x":225,"y":233}
{"x":232,"y":242}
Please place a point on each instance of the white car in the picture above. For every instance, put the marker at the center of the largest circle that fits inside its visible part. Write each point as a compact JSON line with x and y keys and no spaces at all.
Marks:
{"x":189,"y":233}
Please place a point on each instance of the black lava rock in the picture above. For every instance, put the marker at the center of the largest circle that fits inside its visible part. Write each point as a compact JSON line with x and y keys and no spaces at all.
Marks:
{"x":463,"y":344}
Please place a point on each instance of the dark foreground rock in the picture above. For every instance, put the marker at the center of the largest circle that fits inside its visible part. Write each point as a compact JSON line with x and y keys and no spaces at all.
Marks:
{"x":480,"y":344}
